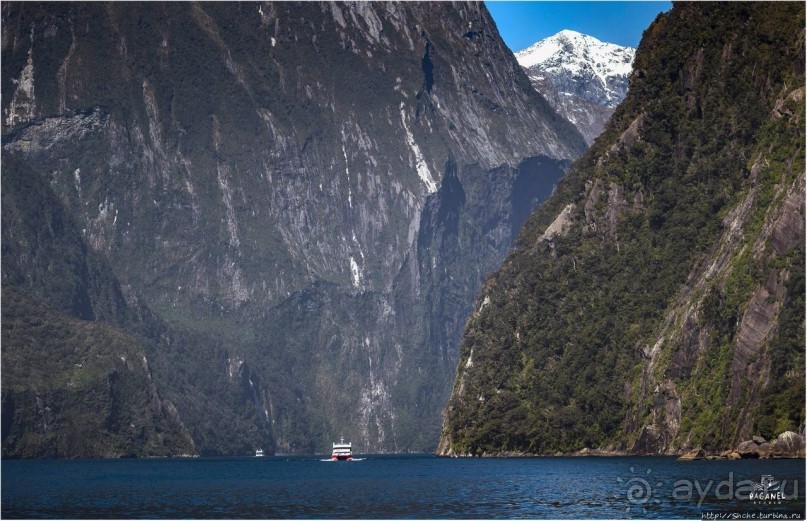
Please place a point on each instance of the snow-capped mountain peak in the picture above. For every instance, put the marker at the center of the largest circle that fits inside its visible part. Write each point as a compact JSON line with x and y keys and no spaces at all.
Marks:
{"x":583,"y":78}
{"x":579,"y":55}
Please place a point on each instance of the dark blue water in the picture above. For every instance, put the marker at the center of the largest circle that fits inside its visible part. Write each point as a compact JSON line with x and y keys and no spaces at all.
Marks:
{"x":394,"y":487}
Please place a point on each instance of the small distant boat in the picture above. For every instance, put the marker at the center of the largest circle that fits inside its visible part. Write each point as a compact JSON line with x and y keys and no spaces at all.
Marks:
{"x":259,"y":453}
{"x":342,"y":451}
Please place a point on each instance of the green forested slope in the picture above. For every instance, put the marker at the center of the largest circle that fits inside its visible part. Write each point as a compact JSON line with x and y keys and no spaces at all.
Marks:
{"x":78,"y":388}
{"x":656,"y":301}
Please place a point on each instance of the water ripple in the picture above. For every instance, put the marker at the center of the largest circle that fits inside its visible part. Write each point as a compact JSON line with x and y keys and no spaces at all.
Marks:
{"x":385,"y":487}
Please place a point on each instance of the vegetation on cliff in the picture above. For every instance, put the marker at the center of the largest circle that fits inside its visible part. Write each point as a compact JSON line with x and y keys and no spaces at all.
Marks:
{"x":664,"y":306}
{"x":82,"y":362}
{"x":78,"y":388}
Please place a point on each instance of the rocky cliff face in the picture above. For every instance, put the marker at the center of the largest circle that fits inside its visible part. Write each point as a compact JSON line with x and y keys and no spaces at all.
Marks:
{"x":583,"y":78}
{"x":300,"y":198}
{"x":656,"y":301}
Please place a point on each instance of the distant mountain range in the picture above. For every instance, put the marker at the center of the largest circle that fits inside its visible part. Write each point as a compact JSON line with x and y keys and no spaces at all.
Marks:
{"x":583,"y":78}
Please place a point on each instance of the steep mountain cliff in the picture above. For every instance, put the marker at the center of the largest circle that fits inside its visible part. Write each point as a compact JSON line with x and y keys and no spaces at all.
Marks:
{"x":292,"y":205}
{"x":656,"y":301}
{"x":583,"y":78}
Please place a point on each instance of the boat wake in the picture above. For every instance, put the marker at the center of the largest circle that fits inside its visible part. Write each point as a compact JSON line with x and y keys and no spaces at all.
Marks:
{"x":352,"y":459}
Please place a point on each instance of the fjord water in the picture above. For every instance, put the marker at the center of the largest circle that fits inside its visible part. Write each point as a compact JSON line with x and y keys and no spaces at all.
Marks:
{"x":392,"y":487}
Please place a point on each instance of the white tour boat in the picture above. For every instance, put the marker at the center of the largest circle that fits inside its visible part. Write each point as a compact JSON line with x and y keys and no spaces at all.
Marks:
{"x":342,"y":451}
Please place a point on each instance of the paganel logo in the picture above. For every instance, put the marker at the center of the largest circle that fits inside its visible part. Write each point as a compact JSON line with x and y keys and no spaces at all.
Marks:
{"x":767,"y":492}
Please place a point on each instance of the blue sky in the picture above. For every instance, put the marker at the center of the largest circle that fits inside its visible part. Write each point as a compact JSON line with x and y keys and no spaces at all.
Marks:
{"x":523,"y":23}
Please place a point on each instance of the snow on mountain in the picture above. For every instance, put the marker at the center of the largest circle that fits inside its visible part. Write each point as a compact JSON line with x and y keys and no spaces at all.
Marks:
{"x":581,"y":76}
{"x":579,"y":55}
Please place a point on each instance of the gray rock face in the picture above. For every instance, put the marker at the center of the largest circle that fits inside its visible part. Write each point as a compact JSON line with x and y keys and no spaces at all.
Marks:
{"x":320,"y":188}
{"x":748,"y":448}
{"x":789,"y":443}
{"x":583,"y":78}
